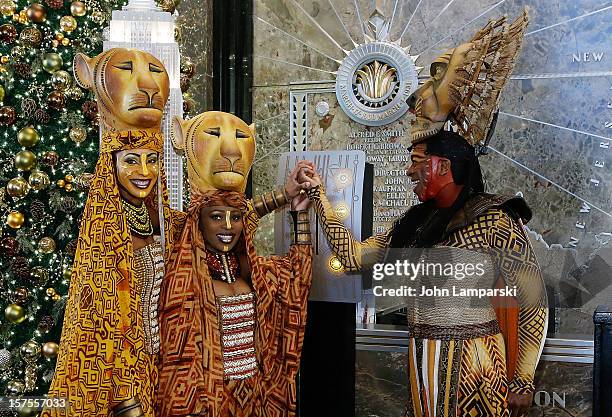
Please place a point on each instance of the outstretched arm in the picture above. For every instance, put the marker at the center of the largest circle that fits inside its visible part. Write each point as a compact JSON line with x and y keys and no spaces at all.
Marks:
{"x":349,"y":250}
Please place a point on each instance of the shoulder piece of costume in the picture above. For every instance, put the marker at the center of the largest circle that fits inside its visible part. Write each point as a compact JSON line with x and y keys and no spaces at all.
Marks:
{"x":478,"y":204}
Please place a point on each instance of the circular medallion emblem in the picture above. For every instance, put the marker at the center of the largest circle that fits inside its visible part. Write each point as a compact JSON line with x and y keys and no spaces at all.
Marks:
{"x":374,"y":81}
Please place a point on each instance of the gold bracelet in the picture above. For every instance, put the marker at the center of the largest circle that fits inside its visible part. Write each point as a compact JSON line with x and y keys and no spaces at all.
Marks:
{"x":301,"y":227}
{"x":270,"y":201}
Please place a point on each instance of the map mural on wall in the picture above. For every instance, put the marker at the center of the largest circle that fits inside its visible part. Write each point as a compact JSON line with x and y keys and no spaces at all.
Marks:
{"x":551,"y":144}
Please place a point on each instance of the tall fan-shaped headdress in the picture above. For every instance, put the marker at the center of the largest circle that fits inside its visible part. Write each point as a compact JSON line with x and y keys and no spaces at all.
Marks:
{"x":483,"y":69}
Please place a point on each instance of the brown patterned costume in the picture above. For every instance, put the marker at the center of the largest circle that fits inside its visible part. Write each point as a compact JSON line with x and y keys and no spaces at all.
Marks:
{"x":102,"y":359}
{"x":461,"y":370}
{"x":192,"y":374}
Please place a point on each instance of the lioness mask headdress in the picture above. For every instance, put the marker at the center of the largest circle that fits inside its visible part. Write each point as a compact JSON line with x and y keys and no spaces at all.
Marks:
{"x":466,"y":83}
{"x":131,"y":87}
{"x":219,"y":147}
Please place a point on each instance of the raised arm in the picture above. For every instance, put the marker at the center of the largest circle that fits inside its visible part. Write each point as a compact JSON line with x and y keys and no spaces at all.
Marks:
{"x":349,"y":250}
{"x":282,"y":195}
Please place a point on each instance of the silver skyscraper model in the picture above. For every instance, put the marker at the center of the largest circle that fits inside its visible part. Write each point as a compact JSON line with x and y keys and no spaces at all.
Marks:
{"x":143,"y":25}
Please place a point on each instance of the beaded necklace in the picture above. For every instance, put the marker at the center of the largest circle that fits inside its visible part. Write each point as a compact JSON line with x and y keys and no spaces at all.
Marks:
{"x":138,"y":218}
{"x":223,"y":266}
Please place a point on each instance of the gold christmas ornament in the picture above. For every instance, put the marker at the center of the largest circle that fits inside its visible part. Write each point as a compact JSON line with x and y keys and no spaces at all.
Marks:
{"x":97,"y":16}
{"x":167,"y":5}
{"x":40,"y":274}
{"x":36,"y":13}
{"x":69,"y":187}
{"x":30,"y":351}
{"x":68,"y":24}
{"x":46,"y":245}
{"x":78,"y":8}
{"x":52,"y":62}
{"x":29,"y":411}
{"x":74,"y":93}
{"x":61,"y":80}
{"x":2,"y":93}
{"x":18,"y":187}
{"x":51,"y":292}
{"x":54,"y":43}
{"x":83,"y":180}
{"x":61,"y":183}
{"x":65,"y":41}
{"x":77,"y":134}
{"x":25,"y":160}
{"x":28,"y":137}
{"x":67,"y":273}
{"x":4,"y":59}
{"x":15,"y":388}
{"x":59,"y":36}
{"x":69,"y":178}
{"x":31,"y":36}
{"x":39,"y":180}
{"x":56,"y":297}
{"x":50,"y":349}
{"x":7,"y":7}
{"x":14,"y":313}
{"x":18,"y":51}
{"x":15,"y":219}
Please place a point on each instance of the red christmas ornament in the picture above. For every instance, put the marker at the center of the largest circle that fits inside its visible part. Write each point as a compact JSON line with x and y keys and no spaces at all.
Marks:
{"x":50,"y":158}
{"x":20,"y":295}
{"x":7,"y":115}
{"x":8,"y":33}
{"x":90,"y":109}
{"x":37,"y":13}
{"x":9,"y":246}
{"x":55,"y":4}
{"x":56,"y":100}
{"x":20,"y":267}
{"x":41,"y":116}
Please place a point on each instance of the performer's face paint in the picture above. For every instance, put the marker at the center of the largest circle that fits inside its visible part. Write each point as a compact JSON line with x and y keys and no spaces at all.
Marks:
{"x":221,"y":227}
{"x":430,"y":172}
{"x":137,"y":171}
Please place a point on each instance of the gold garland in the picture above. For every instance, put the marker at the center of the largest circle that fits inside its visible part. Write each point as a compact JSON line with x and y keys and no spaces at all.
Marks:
{"x":138,"y":218}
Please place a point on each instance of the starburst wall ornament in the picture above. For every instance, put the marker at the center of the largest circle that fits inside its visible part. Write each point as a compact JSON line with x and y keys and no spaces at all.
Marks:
{"x":376,"y":77}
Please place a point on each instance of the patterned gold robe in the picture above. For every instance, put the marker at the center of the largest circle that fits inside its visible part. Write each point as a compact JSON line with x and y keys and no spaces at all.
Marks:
{"x":467,"y":376}
{"x":191,"y":366}
{"x":102,"y":359}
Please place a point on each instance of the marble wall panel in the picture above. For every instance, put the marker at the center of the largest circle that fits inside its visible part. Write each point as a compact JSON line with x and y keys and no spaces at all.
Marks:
{"x":195,"y":25}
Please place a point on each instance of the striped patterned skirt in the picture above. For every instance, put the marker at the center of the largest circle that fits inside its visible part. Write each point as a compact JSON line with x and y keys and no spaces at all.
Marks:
{"x":458,"y":378}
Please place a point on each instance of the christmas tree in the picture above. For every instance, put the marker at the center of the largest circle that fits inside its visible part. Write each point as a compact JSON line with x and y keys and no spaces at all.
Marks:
{"x":49,"y":147}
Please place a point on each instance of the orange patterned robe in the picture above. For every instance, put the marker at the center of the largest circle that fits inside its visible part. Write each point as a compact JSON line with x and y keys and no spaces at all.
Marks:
{"x":191,"y":366}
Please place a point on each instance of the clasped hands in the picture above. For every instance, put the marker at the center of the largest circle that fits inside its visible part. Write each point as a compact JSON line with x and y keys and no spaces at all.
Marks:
{"x":303,"y":177}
